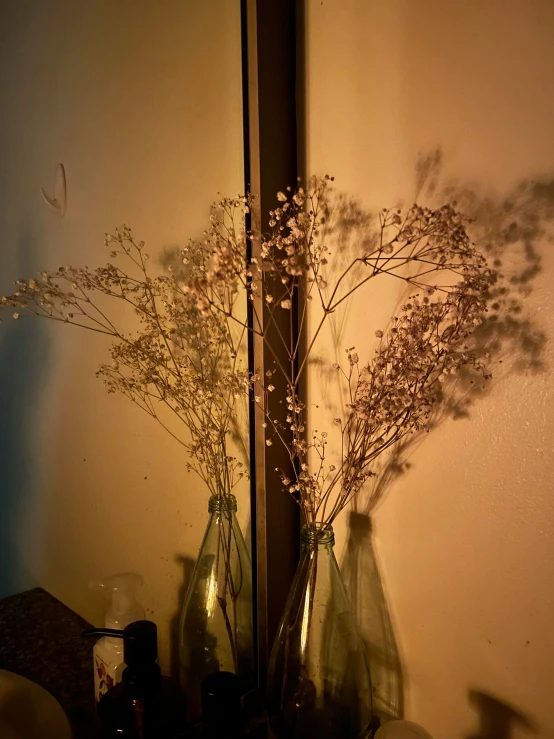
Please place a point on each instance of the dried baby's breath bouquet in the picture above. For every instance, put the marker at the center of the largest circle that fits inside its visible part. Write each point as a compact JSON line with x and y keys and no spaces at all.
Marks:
{"x":188,"y":356}
{"x":181,"y":364}
{"x":390,"y":395}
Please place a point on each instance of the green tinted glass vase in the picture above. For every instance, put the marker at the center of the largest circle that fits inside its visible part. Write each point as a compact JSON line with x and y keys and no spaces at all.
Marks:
{"x":318,"y":681}
{"x":215,"y":631}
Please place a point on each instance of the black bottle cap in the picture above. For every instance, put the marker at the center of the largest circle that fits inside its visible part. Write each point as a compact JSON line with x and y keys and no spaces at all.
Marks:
{"x":220,"y":689}
{"x":221,"y":704}
{"x":140,"y":644}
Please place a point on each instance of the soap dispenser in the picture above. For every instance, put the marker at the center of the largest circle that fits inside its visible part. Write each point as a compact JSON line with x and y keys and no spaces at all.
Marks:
{"x":144,"y":705}
{"x":124,"y":609}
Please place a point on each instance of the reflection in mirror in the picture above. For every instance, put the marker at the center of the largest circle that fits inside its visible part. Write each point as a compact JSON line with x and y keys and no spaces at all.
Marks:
{"x":144,"y":111}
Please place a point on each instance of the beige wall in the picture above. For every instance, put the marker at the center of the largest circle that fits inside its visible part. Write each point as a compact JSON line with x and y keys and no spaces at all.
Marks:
{"x":141,"y":102}
{"x":465,"y":539}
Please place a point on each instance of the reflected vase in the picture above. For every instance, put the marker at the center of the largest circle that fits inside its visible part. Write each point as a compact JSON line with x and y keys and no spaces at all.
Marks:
{"x":318,"y":680}
{"x":215,"y":629}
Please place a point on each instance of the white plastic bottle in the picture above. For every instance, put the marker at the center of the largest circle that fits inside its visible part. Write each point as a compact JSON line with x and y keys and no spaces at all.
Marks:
{"x":124,"y":609}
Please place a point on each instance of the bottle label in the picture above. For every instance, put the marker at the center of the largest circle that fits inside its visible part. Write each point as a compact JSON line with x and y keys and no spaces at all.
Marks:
{"x":104,"y":677}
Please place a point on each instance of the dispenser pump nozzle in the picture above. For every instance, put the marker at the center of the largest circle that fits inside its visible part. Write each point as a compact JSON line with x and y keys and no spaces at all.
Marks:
{"x":140,"y":642}
{"x":141,"y":675}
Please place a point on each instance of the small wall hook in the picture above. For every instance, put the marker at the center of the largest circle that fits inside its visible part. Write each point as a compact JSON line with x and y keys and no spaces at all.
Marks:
{"x":57,"y":203}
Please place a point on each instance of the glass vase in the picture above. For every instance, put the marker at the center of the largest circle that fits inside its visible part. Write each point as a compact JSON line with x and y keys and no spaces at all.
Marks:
{"x":215,"y":631}
{"x":318,"y":680}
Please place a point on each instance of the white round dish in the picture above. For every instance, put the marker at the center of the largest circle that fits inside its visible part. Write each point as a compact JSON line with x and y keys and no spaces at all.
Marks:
{"x":28,"y":711}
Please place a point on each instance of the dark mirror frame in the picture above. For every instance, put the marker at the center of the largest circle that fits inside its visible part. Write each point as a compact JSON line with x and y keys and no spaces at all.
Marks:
{"x":273,"y":94}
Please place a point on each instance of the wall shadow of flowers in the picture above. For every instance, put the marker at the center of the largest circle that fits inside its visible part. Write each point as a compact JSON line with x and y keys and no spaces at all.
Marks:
{"x":511,"y":230}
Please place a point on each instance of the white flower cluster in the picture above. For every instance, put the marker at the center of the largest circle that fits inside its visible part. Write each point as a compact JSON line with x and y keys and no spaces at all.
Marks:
{"x":189,"y":354}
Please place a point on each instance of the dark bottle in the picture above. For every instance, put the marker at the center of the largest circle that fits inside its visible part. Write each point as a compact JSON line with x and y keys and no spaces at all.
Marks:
{"x":144,"y":705}
{"x":221,"y":708}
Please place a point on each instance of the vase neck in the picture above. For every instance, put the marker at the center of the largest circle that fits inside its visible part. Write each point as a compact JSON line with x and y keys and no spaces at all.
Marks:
{"x":222,"y":504}
{"x":313,"y":537}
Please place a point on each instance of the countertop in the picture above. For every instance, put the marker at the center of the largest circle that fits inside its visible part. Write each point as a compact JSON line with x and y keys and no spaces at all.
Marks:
{"x":40,"y":639}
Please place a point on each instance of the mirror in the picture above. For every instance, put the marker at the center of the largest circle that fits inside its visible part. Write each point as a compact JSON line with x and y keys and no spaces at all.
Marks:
{"x":144,"y":112}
